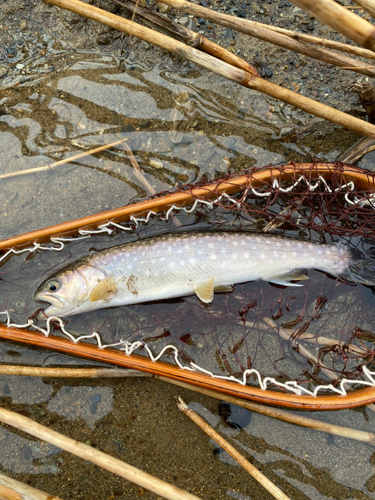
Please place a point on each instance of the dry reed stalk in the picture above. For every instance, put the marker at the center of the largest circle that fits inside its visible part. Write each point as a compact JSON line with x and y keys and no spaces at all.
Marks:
{"x":219,"y":67}
{"x":95,"y":456}
{"x":138,"y":172}
{"x":62,"y":162}
{"x":168,"y":27}
{"x":10,"y":489}
{"x":262,"y":32}
{"x":342,"y":20}
{"x":359,"y":149}
{"x":37,"y":371}
{"x":367,"y":5}
{"x":286,"y":335}
{"x":142,"y":179}
{"x":253,"y":471}
{"x":324,"y":42}
{"x":284,"y":416}
{"x":317,"y":340}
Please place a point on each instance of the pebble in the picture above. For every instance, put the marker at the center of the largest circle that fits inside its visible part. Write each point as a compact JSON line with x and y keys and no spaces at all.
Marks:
{"x":23,"y":25}
{"x":163,"y":8}
{"x":3,"y":71}
{"x":184,"y":21}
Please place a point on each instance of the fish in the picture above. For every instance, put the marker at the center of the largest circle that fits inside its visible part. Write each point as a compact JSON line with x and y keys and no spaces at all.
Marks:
{"x":182,"y":264}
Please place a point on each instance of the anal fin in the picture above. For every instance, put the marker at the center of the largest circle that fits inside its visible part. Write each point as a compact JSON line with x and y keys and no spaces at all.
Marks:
{"x":223,"y":288}
{"x":205,"y":291}
{"x":287,"y":277}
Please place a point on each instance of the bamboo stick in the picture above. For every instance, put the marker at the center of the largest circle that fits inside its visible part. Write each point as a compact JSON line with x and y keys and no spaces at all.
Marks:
{"x":324,"y":42}
{"x":367,"y":5}
{"x":262,"y":32}
{"x":253,"y":471}
{"x":10,"y":489}
{"x":37,"y":371}
{"x":95,"y":456}
{"x":219,"y":67}
{"x":284,"y":416}
{"x":342,"y":20}
{"x":62,"y":162}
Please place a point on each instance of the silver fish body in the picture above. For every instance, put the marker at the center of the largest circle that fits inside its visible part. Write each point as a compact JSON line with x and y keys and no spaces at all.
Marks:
{"x":177,"y":265}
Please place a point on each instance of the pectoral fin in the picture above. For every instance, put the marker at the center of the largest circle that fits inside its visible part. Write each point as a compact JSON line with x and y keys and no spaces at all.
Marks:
{"x":104,"y":290}
{"x":287,"y":277}
{"x":205,"y":291}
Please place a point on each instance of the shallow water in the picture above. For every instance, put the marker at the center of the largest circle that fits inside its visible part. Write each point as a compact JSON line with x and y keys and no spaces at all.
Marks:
{"x":95,"y":100}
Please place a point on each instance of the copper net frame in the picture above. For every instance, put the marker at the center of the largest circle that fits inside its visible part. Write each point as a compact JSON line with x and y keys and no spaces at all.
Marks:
{"x":363,"y":180}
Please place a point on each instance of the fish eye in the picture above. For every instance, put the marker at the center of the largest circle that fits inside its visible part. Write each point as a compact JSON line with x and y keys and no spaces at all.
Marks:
{"x":52,"y":286}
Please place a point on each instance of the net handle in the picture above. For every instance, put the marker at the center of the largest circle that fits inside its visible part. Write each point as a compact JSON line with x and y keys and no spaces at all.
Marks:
{"x":363,"y":179}
{"x":162,"y":370}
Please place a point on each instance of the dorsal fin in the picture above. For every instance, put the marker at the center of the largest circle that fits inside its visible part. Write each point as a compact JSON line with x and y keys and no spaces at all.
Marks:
{"x":205,"y":291}
{"x":104,"y":290}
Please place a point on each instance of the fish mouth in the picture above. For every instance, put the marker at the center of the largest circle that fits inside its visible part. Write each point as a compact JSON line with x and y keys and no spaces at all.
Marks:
{"x":55,"y":306}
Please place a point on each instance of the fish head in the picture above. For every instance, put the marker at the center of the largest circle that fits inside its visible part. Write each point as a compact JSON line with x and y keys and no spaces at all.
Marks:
{"x":68,"y":291}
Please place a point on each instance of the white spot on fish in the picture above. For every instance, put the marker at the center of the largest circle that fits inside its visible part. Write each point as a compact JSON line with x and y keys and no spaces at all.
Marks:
{"x":213,"y":256}
{"x":262,"y":256}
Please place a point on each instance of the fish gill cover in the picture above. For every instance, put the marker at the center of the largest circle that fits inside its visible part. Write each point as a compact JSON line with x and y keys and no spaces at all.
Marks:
{"x":260,"y":334}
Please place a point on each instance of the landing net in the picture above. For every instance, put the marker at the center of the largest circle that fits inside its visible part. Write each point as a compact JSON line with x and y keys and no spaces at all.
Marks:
{"x":306,"y":340}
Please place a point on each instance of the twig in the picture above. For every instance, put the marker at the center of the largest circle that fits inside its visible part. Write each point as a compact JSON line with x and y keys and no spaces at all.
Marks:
{"x":285,"y":416}
{"x":313,"y":339}
{"x":253,"y":471}
{"x":138,"y":171}
{"x":324,"y":42}
{"x":219,"y":67}
{"x":285,"y":334}
{"x":95,"y":456}
{"x":37,"y":371}
{"x":342,"y":20}
{"x":360,"y":148}
{"x":263,"y":32}
{"x":367,"y":5}
{"x":10,"y":489}
{"x":142,"y":179}
{"x":62,"y":162}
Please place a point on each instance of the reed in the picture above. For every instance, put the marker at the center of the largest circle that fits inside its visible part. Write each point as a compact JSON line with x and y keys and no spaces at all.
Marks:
{"x":285,"y":416}
{"x":62,"y":162}
{"x":219,"y":67}
{"x":265,"y":33}
{"x":10,"y":489}
{"x":342,"y":20}
{"x":95,"y":456}
{"x":37,"y":371}
{"x":253,"y":471}
{"x":367,"y":5}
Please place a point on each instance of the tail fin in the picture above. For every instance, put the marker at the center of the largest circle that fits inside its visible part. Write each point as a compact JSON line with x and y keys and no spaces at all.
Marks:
{"x":361,"y":271}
